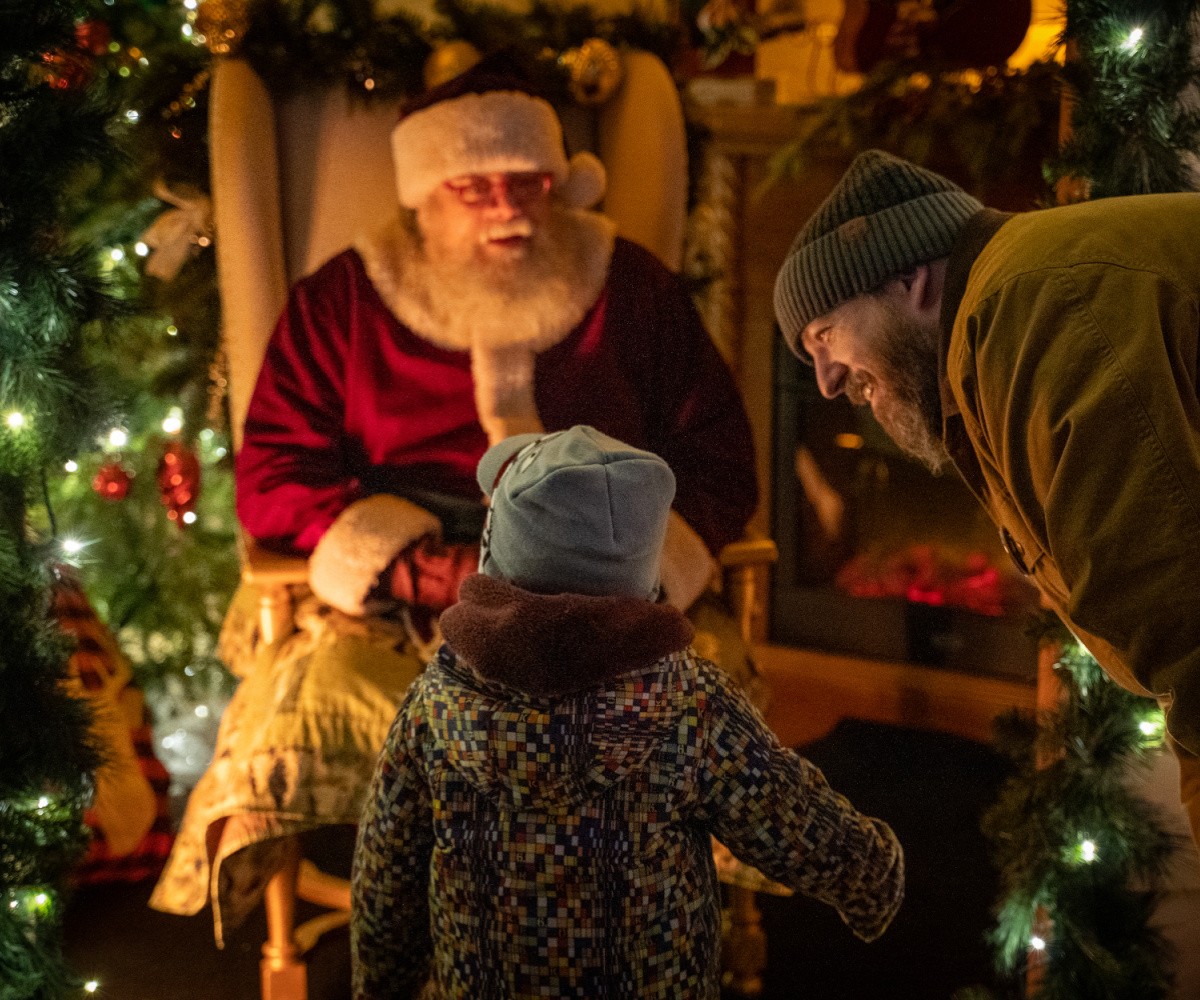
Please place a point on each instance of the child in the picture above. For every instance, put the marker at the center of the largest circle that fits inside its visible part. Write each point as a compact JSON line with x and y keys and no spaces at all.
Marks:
{"x":539,"y":822}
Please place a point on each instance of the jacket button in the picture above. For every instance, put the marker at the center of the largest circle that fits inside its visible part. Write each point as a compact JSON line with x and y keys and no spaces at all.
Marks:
{"x":1014,"y":550}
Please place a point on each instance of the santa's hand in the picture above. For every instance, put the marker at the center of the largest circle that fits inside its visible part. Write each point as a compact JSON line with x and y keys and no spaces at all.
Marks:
{"x":428,"y":573}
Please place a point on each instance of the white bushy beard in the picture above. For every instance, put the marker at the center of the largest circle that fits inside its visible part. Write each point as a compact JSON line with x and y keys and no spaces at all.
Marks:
{"x":463,"y":297}
{"x":910,"y":410}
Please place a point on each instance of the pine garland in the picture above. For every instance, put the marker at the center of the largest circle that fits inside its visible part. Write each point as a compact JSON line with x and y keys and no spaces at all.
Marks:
{"x":48,"y":291}
{"x":993,"y":128}
{"x":297,"y":44}
{"x":1073,"y":841}
{"x":1134,"y":127}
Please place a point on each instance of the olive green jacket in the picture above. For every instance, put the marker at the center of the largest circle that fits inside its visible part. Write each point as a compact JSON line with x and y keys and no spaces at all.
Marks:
{"x":1069,"y":395}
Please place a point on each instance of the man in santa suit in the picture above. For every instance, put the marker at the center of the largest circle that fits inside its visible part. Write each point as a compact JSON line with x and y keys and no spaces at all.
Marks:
{"x":497,"y":304}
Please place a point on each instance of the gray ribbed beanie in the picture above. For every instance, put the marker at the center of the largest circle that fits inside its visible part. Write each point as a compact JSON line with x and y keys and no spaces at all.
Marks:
{"x":884,"y":217}
{"x":575,"y":511}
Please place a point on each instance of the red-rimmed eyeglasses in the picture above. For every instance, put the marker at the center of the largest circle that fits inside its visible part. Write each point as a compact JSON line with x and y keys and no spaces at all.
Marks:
{"x":484,"y":189}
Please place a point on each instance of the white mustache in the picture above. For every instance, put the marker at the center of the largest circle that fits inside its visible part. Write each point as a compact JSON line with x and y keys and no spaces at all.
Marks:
{"x":505,"y":230}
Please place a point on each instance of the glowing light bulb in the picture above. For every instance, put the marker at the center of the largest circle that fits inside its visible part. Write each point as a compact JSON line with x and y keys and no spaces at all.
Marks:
{"x":118,"y":437}
{"x":1087,"y":851}
{"x":201,"y":711}
{"x":117,"y":254}
{"x":41,"y":899}
{"x":189,"y":517}
{"x":1037,"y":943}
{"x":71,"y":465}
{"x":91,"y":986}
{"x":141,"y":249}
{"x":172,"y":330}
{"x":1134,"y":39}
{"x":72,"y":546}
{"x":186,"y":31}
{"x":132,"y":116}
{"x":173,"y":423}
{"x":43,"y":802}
{"x":15,"y":420}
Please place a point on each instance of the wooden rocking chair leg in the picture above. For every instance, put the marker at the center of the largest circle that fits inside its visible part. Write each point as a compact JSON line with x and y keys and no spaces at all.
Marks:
{"x":284,"y":975}
{"x":746,"y":943}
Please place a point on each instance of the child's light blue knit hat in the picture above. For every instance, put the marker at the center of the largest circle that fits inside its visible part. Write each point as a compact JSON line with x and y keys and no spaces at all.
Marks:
{"x":575,"y":511}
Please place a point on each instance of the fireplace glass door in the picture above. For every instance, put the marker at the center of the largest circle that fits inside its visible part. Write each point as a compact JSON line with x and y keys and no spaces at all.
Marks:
{"x":877,"y":556}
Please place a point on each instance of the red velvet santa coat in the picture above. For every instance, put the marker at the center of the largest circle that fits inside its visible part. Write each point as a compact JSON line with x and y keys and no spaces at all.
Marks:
{"x":351,"y":402}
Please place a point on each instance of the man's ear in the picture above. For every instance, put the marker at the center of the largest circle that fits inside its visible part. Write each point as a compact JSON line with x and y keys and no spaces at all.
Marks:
{"x":920,"y":290}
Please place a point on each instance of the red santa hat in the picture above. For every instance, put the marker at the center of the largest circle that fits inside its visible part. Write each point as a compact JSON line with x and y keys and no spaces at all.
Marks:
{"x":484,"y":121}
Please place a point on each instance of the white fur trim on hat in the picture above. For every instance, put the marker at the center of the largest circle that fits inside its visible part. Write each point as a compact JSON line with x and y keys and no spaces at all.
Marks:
{"x":348,"y":560}
{"x":687,"y":566}
{"x":501,"y":131}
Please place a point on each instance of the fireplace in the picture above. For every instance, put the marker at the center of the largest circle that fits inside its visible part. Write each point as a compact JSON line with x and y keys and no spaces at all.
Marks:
{"x":877,"y":557}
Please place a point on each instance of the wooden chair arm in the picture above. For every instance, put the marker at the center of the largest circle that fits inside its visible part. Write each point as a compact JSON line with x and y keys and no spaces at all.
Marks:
{"x":745,"y":570}
{"x":265,"y":568}
{"x":271,"y":574}
{"x":749,"y":552}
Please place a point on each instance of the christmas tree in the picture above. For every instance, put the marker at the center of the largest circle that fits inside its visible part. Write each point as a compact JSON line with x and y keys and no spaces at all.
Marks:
{"x":51,"y":128}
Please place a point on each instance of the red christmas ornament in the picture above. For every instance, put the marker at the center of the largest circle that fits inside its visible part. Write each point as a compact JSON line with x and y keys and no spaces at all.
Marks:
{"x":178,"y":480}
{"x":112,"y":481}
{"x":93,"y":37}
{"x":67,"y":70}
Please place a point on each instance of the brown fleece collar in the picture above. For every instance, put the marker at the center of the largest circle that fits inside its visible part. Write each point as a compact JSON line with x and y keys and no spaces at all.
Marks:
{"x":551,"y":644}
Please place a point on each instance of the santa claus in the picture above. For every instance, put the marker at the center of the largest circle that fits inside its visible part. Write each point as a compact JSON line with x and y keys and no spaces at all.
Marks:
{"x":497,"y":303}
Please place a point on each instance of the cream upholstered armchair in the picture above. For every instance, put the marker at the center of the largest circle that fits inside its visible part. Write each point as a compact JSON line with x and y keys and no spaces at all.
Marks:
{"x":294,"y":180}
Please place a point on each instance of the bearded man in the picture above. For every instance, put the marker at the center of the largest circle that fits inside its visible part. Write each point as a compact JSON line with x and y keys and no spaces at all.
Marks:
{"x":497,"y":304}
{"x":1051,"y":358}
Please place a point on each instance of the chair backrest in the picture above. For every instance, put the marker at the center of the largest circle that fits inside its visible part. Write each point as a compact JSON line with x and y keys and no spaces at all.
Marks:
{"x":296,"y":179}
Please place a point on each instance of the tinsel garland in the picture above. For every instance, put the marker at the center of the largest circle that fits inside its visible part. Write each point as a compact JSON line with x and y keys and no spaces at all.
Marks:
{"x":51,"y":130}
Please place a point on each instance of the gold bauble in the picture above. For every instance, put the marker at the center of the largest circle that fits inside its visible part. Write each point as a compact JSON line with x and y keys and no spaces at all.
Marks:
{"x":449,"y":60}
{"x":223,"y":23}
{"x":595,"y":71}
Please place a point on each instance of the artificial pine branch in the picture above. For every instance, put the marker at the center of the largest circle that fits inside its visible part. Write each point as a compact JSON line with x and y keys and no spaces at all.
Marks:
{"x":49,"y":290}
{"x":1134,"y":127}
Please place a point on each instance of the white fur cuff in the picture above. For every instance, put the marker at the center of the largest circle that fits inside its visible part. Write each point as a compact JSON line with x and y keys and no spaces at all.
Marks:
{"x":345,"y":566}
{"x":501,"y":131}
{"x":687,"y":566}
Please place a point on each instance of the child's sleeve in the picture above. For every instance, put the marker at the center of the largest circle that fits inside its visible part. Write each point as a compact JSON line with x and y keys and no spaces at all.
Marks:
{"x":775,"y":810}
{"x":389,"y":924}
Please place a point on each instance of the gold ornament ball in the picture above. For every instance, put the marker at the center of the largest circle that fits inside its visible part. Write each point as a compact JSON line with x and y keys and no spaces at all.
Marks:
{"x":449,"y":60}
{"x":223,"y":23}
{"x":595,"y":71}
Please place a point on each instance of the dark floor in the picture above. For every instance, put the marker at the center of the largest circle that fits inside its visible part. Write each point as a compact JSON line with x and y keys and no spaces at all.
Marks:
{"x":931,"y":788}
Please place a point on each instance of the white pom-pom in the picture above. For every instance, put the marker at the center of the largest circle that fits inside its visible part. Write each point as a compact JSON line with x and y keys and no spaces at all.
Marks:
{"x":585,"y":183}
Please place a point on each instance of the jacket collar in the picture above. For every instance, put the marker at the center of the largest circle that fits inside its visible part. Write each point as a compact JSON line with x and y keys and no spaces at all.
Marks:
{"x":553,"y":644}
{"x":976,"y":233}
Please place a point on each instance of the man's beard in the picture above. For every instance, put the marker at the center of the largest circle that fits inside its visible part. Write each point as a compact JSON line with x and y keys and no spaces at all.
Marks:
{"x":911,"y":409}
{"x":534,"y":297}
